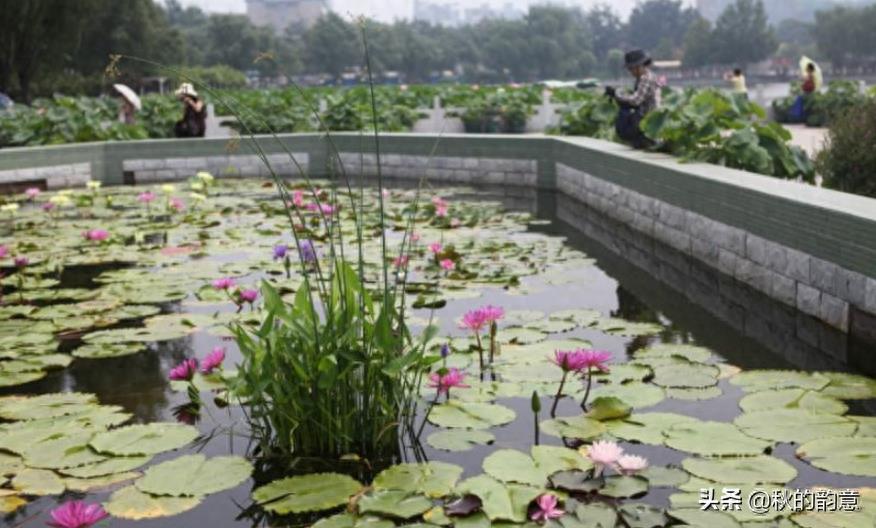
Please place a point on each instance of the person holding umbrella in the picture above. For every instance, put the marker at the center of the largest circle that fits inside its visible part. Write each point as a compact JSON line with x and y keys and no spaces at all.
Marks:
{"x":130,"y":104}
{"x":635,"y":106}
{"x":194,"y":120}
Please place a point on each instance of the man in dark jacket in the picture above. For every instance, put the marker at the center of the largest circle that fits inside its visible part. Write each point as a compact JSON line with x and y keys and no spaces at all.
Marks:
{"x":635,"y":106}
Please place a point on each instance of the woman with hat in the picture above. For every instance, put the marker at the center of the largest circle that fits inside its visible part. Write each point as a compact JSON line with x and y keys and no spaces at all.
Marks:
{"x":194,"y":121}
{"x":635,"y":106}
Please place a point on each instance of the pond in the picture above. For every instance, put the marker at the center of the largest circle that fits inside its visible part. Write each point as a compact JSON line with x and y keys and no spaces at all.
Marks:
{"x":120,"y":288}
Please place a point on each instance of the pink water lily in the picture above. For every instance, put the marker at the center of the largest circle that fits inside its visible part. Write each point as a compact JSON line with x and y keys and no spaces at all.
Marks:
{"x":249,"y":296}
{"x":213,"y":360}
{"x":146,"y":197}
{"x":603,"y":454}
{"x":401,"y":261}
{"x":324,"y":208}
{"x":298,"y":198}
{"x":474,"y":320}
{"x":631,"y":464}
{"x":455,"y":222}
{"x":224,"y":283}
{"x":48,"y":206}
{"x":546,"y":508}
{"x":185,"y":371}
{"x":595,"y":359}
{"x":452,"y":378}
{"x":4,"y":251}
{"x":176,"y":204}
{"x":21,"y":262}
{"x":32,"y":192}
{"x":415,"y":237}
{"x":569,"y":360}
{"x":436,"y":247}
{"x":96,"y":235}
{"x":492,"y":313}
{"x":77,"y":514}
{"x":447,"y":265}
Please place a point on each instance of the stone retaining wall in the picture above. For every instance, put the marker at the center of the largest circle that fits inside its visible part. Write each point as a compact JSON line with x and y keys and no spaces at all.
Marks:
{"x":154,"y":170}
{"x":814,"y":286}
{"x":491,"y":171}
{"x":51,"y":177}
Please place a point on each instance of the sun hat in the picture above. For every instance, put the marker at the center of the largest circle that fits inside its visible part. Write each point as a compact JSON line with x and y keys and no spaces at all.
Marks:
{"x":186,"y":89}
{"x":636,"y":57}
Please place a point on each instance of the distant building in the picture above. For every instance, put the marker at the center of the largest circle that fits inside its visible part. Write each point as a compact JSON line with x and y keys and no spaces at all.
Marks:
{"x":281,"y":14}
{"x":451,"y":14}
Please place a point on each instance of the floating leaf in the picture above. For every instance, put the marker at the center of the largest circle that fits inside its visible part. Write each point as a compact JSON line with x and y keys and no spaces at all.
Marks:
{"x":643,"y":516}
{"x":665,"y":477}
{"x":521,"y":336}
{"x":11,"y":503}
{"x":710,"y":519}
{"x":434,"y":479}
{"x":60,"y":452}
{"x":306,"y":493}
{"x":144,"y":439}
{"x":794,"y":425}
{"x":608,"y":408}
{"x":583,"y":317}
{"x":348,"y":520}
{"x":45,"y":405}
{"x":713,"y":439}
{"x":471,"y":415}
{"x":760,"y":469}
{"x":691,"y":353}
{"x":131,"y":503}
{"x":38,"y":482}
{"x":691,"y":375}
{"x":510,"y":465}
{"x":622,"y":327}
{"x":849,"y":456}
{"x":108,"y":350}
{"x":706,"y":393}
{"x":792,"y":399}
{"x":459,"y":439}
{"x":507,"y":502}
{"x":849,"y":386}
{"x":623,"y":486}
{"x":760,"y":380}
{"x":194,"y":475}
{"x":398,"y":504}
{"x":637,"y":394}
{"x":98,"y":483}
{"x":579,"y":427}
{"x":647,"y":428}
{"x":108,"y":466}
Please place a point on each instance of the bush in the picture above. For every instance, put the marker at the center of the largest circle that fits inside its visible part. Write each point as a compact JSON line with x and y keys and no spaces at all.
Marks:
{"x":821,"y":107}
{"x":848,"y":161}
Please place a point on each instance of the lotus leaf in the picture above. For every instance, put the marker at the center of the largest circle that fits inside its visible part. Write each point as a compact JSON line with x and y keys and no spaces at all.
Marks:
{"x":643,"y":516}
{"x":66,"y":451}
{"x":849,"y":456}
{"x":306,"y":493}
{"x":398,"y":504}
{"x":46,"y":405}
{"x":761,"y":469}
{"x":144,"y":439}
{"x":434,"y":479}
{"x":508,"y":502}
{"x":521,"y":336}
{"x":639,"y":395}
{"x":583,"y":317}
{"x":622,"y":327}
{"x":470,"y":415}
{"x":11,"y":503}
{"x":108,"y":350}
{"x":849,"y":386}
{"x":692,"y":375}
{"x":713,"y":439}
{"x":194,"y":475}
{"x":794,"y":425}
{"x":691,"y":353}
{"x":663,"y":476}
{"x":459,"y":439}
{"x":131,"y":503}
{"x":38,"y":482}
{"x":706,"y":393}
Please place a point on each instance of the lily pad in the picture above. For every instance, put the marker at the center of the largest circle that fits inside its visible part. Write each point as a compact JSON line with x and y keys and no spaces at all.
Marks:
{"x":849,"y":456}
{"x":459,"y":439}
{"x":760,"y":380}
{"x":713,"y":439}
{"x":45,"y":406}
{"x":639,"y":395}
{"x":144,"y":439}
{"x":646,"y":428}
{"x":306,"y":493}
{"x":710,"y":519}
{"x":131,"y":503}
{"x":38,"y":482}
{"x":692,"y":375}
{"x":108,"y":350}
{"x":849,"y":386}
{"x":622,"y":327}
{"x":99,"y":483}
{"x":108,"y":466}
{"x":792,"y":399}
{"x":623,"y":486}
{"x":761,"y":469}
{"x":434,"y":479}
{"x":471,"y":415}
{"x":706,"y":393}
{"x":194,"y":475}
{"x":398,"y":504}
{"x":691,"y":353}
{"x":794,"y":425}
{"x":582,"y":316}
{"x":579,"y":427}
{"x":501,"y":502}
{"x":348,"y":520}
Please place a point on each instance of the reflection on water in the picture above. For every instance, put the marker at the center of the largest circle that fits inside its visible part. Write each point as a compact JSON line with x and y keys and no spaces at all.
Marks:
{"x":634,"y":278}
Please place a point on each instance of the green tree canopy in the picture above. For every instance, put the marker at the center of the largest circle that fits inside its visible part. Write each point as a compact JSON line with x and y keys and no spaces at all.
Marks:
{"x":742,"y":34}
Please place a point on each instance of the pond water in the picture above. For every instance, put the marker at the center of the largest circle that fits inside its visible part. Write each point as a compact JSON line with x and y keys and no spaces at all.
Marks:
{"x":575,"y":283}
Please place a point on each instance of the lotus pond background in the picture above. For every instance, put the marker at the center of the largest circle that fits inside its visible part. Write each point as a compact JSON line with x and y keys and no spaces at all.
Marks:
{"x":111,"y":318}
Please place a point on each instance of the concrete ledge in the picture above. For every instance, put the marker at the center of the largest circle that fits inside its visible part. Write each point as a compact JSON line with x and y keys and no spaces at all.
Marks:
{"x":811,"y":249}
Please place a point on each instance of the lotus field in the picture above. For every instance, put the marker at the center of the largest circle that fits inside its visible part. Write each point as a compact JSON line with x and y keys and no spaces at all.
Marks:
{"x":293,"y":353}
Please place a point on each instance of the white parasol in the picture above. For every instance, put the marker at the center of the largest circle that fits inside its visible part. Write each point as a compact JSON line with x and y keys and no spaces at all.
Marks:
{"x":818,"y":76}
{"x":129,"y":95}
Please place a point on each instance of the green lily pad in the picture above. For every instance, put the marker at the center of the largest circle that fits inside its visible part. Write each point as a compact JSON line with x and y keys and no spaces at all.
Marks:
{"x":664,"y":476}
{"x":521,"y":336}
{"x":849,"y":386}
{"x":622,"y":327}
{"x":194,"y":475}
{"x":108,"y":350}
{"x":398,"y":504}
{"x":761,"y":469}
{"x":608,"y":408}
{"x":710,"y":519}
{"x":760,"y":380}
{"x":501,"y":502}
{"x":131,"y":503}
{"x":583,"y":317}
{"x":713,"y":439}
{"x":306,"y":493}
{"x":692,"y":353}
{"x":108,"y":466}
{"x":45,"y":405}
{"x":623,"y":486}
{"x":691,"y":375}
{"x":849,"y":456}
{"x":459,"y":439}
{"x":348,"y":520}
{"x":98,"y":483}
{"x":144,"y":439}
{"x":643,"y":516}
{"x":639,"y":395}
{"x":792,"y":399}
{"x":579,"y":427}
{"x":794,"y":425}
{"x":60,"y":452}
{"x":646,"y":428}
{"x":38,"y":482}
{"x":433,"y":479}
{"x":11,"y":379}
{"x":706,"y":393}
{"x":471,"y":415}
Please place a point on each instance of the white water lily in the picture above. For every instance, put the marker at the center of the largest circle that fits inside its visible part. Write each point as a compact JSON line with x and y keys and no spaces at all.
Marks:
{"x":168,"y":188}
{"x":205,"y":177}
{"x":197,"y":186}
{"x":9,"y":208}
{"x":93,"y":185}
{"x":61,"y":200}
{"x":198,"y":197}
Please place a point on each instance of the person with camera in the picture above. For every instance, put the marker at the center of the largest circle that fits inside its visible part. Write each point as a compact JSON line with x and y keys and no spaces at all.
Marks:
{"x":194,"y":120}
{"x":636,"y":105}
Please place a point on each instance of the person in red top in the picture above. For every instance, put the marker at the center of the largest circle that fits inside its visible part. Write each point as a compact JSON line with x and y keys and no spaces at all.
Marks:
{"x":809,"y":84}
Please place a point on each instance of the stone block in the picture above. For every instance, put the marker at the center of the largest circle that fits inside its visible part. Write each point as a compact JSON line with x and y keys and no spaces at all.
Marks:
{"x":753,"y":274}
{"x":672,"y":216}
{"x":783,"y":289}
{"x":834,"y":311}
{"x":822,"y":275}
{"x":851,"y":286}
{"x":808,"y":300}
{"x":704,"y":250}
{"x":730,"y":238}
{"x":727,"y":261}
{"x":797,"y":265}
{"x":133,"y":165}
{"x":20,"y":174}
{"x":870,"y":296}
{"x":756,"y":249}
{"x":196,"y":163}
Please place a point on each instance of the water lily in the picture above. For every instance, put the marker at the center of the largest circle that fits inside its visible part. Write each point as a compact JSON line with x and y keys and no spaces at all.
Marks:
{"x":146,"y":197}
{"x":185,"y":371}
{"x":205,"y":177}
{"x":593,"y":359}
{"x":168,"y":188}
{"x":631,"y":464}
{"x":307,"y":251}
{"x":441,"y":206}
{"x":474,"y":320}
{"x":248,"y":296}
{"x":323,"y":208}
{"x":445,"y":380}
{"x":225,"y":283}
{"x":48,"y":206}
{"x":198,"y":197}
{"x":60,"y":200}
{"x":4,"y":251}
{"x":546,"y":508}
{"x":447,"y":265}
{"x":93,"y":185}
{"x":21,"y":262}
{"x":400,"y":261}
{"x":569,"y":360}
{"x":298,"y":198}
{"x":32,"y":192}
{"x":9,"y":208}
{"x":96,"y":235}
{"x":492,"y":313}
{"x":603,"y":454}
{"x":455,"y":222}
{"x":435,"y":247}
{"x":213,"y":360}
{"x":415,"y":237}
{"x":176,"y":204}
{"x":77,"y":514}
{"x":384,"y":193}
{"x":280,"y":251}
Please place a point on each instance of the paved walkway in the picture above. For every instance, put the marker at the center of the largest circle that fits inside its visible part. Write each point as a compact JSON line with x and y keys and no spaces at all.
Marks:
{"x":809,"y":139}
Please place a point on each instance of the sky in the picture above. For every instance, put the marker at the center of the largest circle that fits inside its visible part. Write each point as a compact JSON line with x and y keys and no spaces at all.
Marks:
{"x":388,"y":10}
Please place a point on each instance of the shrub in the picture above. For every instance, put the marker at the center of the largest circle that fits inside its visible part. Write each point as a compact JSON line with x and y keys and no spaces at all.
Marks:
{"x":848,"y":161}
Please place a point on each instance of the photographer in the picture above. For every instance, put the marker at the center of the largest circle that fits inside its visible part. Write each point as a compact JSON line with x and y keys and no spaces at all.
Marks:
{"x":194,"y":121}
{"x":634,"y":107}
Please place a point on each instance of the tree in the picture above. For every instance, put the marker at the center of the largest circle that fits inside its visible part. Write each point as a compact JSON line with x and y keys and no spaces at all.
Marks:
{"x":742,"y":34}
{"x":656,"y":20}
{"x":555,"y":41}
{"x":332,"y":45}
{"x":606,"y":29}
{"x":845,"y":34}
{"x":698,"y":45}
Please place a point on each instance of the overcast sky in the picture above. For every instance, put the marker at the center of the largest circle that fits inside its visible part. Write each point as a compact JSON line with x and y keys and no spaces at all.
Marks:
{"x":388,"y":10}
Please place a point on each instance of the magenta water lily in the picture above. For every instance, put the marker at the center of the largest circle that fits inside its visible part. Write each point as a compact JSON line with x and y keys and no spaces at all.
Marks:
{"x":185,"y":371}
{"x":224,"y":283}
{"x":546,"y":508}
{"x":77,"y":514}
{"x":96,"y":235}
{"x":213,"y":360}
